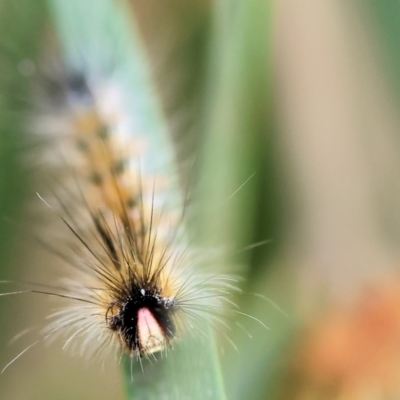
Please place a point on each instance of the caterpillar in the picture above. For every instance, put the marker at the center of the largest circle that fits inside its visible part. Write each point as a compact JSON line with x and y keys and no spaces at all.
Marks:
{"x":132,"y":281}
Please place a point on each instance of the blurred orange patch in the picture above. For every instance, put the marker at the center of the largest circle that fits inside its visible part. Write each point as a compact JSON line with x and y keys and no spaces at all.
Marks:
{"x":354,"y":352}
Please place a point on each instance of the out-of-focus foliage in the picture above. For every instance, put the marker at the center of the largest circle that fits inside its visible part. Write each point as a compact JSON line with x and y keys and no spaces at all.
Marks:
{"x":290,"y":114}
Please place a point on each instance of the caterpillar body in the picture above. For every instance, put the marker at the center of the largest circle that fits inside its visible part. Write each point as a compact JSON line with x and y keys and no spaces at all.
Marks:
{"x":130,"y":275}
{"x":132,"y":280}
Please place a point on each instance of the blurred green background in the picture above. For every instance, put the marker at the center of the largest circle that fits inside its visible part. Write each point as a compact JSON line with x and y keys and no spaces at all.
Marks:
{"x":296,"y":104}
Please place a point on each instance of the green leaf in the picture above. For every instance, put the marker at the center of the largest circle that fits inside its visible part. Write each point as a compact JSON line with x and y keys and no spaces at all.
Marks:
{"x":188,"y":371}
{"x":101,"y":29}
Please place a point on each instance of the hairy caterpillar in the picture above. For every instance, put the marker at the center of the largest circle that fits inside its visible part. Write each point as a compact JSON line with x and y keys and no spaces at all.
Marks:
{"x":132,"y":281}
